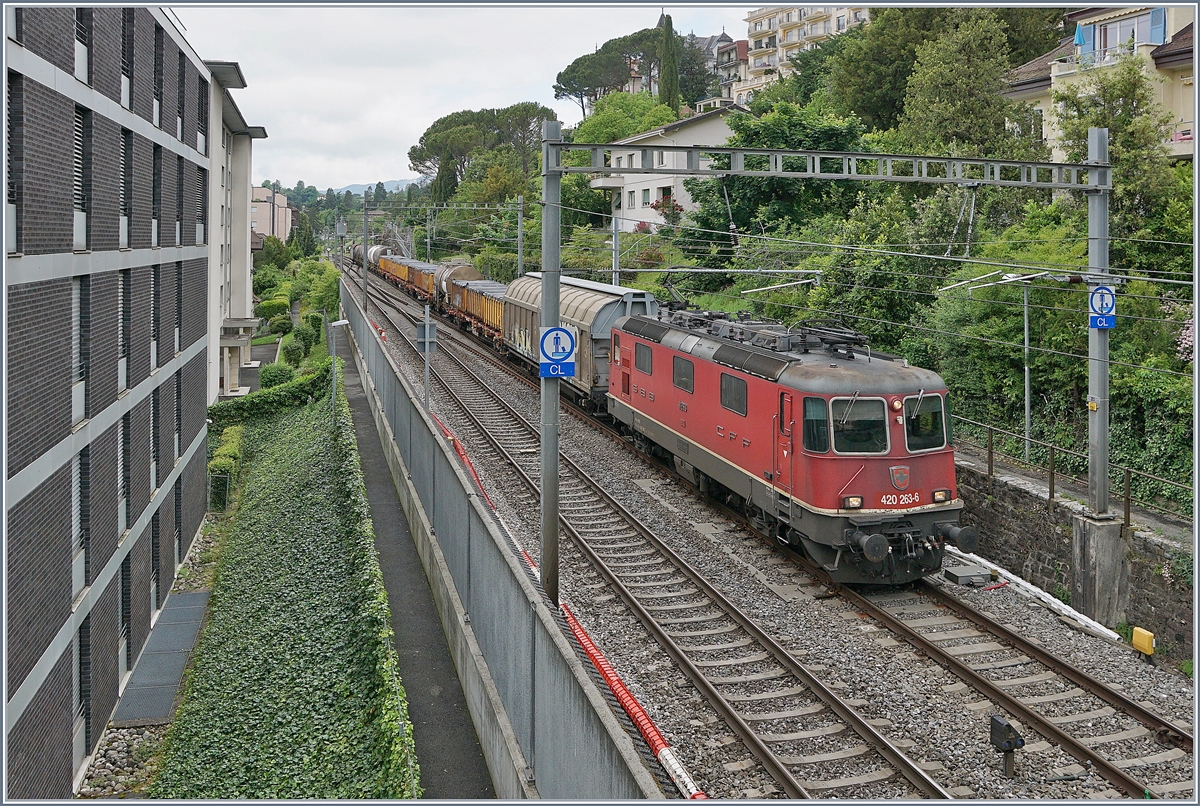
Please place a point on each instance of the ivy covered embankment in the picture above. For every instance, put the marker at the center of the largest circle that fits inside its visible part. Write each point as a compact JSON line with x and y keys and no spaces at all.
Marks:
{"x":293,"y":690}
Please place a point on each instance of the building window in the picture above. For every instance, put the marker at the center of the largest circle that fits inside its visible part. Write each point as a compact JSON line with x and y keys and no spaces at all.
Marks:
{"x":16,"y":162}
{"x":182,"y":79}
{"x":155,"y":557}
{"x":82,"y":691}
{"x":156,"y":196}
{"x":178,"y":325}
{"x":632,"y":201}
{"x":202,"y":117}
{"x":682,"y":374}
{"x":155,"y":308}
{"x":178,"y":437}
{"x":643,"y":359}
{"x":662,"y":158}
{"x":81,"y":318}
{"x":82,"y":176}
{"x":124,"y":314}
{"x":158,"y":73}
{"x":179,"y":201}
{"x":126,"y":186}
{"x":126,"y":56}
{"x":201,"y":205}
{"x":619,"y":161}
{"x":124,"y":647}
{"x":645,"y":197}
{"x":122,"y":474}
{"x":155,"y":412}
{"x":83,"y":45}
{"x":733,"y":393}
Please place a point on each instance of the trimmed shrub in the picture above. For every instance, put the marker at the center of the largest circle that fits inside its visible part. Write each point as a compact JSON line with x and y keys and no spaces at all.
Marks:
{"x":315,"y":321}
{"x":275,"y":374}
{"x":270,"y":308}
{"x":267,"y":402}
{"x":293,"y":352}
{"x":281,"y":323}
{"x":305,"y":334}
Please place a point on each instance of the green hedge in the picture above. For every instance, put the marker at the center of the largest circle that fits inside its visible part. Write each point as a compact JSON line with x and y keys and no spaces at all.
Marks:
{"x":267,"y":402}
{"x":270,"y":308}
{"x":282,"y":323}
{"x":293,"y":689}
{"x":275,"y":374}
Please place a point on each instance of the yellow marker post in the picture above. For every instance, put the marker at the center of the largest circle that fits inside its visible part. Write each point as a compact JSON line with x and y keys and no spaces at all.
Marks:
{"x":1143,"y":641}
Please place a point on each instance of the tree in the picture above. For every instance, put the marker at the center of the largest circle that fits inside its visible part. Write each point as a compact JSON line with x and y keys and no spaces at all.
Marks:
{"x":668,"y":93}
{"x":520,"y":126}
{"x":640,"y":48}
{"x":953,"y":103}
{"x":301,"y":241}
{"x":590,"y":76}
{"x":331,"y":199}
{"x":380,"y":195}
{"x":870,"y":74}
{"x":1032,"y":31}
{"x":619,"y":115}
{"x":348,"y":200}
{"x":810,"y":70}
{"x":696,"y":80}
{"x":1122,"y":99}
{"x":445,"y":183}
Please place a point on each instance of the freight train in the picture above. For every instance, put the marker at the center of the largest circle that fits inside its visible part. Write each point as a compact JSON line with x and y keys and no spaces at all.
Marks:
{"x":829,"y":448}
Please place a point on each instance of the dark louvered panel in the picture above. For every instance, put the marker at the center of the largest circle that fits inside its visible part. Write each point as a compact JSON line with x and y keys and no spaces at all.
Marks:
{"x":79,"y":192}
{"x":127,"y":42}
{"x":731,"y":356}
{"x":765,"y":366}
{"x":652,"y":331}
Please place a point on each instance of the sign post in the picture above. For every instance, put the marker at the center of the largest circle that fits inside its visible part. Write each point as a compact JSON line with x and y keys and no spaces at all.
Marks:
{"x":1102,"y":321}
{"x":426,"y":343}
{"x":551,"y":274}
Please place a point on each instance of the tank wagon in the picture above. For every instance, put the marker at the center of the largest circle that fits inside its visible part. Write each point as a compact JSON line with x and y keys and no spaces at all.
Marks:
{"x":828,"y":447}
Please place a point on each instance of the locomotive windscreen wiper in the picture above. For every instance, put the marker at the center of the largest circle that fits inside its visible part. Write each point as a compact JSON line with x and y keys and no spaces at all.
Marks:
{"x":917,"y":408}
{"x":849,"y":406}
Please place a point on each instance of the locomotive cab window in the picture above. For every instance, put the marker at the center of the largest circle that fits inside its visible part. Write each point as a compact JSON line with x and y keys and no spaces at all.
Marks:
{"x":924,"y":425}
{"x":682,"y":374}
{"x":643,"y":359}
{"x":616,"y":348}
{"x":816,"y":425}
{"x":859,"y":426}
{"x":733,"y":393}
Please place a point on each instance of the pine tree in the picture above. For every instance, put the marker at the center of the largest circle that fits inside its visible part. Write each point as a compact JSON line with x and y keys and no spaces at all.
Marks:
{"x":668,"y":87}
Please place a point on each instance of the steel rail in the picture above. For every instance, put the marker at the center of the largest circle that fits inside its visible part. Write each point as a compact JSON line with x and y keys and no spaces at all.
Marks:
{"x":1164,"y":728}
{"x":921,"y":780}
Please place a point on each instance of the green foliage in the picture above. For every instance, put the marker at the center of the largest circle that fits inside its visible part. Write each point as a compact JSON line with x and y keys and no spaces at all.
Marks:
{"x":281,"y":323}
{"x":696,"y":80}
{"x":270,"y":375}
{"x":496,"y":265}
{"x":292,"y":350}
{"x":301,"y":240}
{"x":324,"y":292}
{"x":452,"y":140}
{"x":953,"y":102}
{"x":809,"y":70}
{"x":272,"y":401}
{"x":305,"y":334}
{"x":668,"y":85}
{"x":619,"y":115}
{"x":222,"y":466}
{"x":1061,"y":593}
{"x":293,"y":690}
{"x":1185,"y":666}
{"x":1182,"y":567}
{"x":270,"y":308}
{"x":1125,"y":630}
{"x":275,"y":253}
{"x":1123,"y":99}
{"x":590,"y":76}
{"x":315,"y":321}
{"x":266,"y":278}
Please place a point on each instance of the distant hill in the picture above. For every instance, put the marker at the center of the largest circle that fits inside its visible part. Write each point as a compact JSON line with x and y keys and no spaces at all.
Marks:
{"x":391,"y":185}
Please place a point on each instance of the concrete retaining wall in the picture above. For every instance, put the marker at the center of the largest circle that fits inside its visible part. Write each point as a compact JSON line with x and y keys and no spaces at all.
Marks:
{"x":1109,"y":573}
{"x":544,"y":727}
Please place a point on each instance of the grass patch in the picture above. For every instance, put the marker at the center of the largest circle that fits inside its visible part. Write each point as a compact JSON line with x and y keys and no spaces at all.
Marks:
{"x":293,"y":690}
{"x":272,"y":339}
{"x":1185,"y":666}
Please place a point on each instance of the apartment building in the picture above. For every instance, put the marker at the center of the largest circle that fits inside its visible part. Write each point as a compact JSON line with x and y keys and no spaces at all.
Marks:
{"x":126,"y":232}
{"x":731,"y":66}
{"x":270,"y":214}
{"x":1162,"y":36}
{"x":776,"y":33}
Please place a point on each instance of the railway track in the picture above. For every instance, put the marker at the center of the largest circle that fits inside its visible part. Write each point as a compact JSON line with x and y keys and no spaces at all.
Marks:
{"x":1063,"y":704}
{"x":795,"y":725}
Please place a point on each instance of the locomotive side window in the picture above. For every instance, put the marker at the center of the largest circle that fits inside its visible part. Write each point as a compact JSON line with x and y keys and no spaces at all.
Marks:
{"x":616,"y":348}
{"x":642,"y":358}
{"x":816,"y":425}
{"x":682,"y":374}
{"x":924,"y":427}
{"x":859,"y":426}
{"x":733,"y":393}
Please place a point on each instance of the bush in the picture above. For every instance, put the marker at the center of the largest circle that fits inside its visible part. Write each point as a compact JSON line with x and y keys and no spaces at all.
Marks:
{"x":222,"y":466}
{"x":274,"y":375}
{"x":267,"y":402}
{"x":270,"y":308}
{"x":266,"y":278}
{"x":281,"y":323}
{"x":315,"y":321}
{"x":293,"y":352}
{"x":305,"y":334}
{"x":324,"y":292}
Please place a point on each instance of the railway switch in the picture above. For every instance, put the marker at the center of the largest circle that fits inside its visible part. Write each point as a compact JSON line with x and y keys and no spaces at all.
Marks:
{"x":1007,"y":740}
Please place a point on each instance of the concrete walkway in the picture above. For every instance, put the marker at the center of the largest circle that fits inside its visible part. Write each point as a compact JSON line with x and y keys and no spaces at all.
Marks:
{"x":452,"y":763}
{"x":149,"y":698}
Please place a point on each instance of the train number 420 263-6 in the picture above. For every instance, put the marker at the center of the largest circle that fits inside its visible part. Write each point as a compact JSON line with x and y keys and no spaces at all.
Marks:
{"x":891,"y":500}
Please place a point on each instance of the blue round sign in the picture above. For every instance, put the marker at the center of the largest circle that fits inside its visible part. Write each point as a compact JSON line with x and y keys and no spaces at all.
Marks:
{"x":557,"y":345}
{"x":1102,"y":300}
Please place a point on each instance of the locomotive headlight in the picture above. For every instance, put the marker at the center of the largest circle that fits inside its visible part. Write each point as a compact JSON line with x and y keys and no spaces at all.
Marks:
{"x":941,"y":496}
{"x":852,"y":502}
{"x":897,"y":404}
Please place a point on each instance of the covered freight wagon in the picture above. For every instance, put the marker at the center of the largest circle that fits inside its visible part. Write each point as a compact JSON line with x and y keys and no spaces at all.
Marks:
{"x":592,"y":308}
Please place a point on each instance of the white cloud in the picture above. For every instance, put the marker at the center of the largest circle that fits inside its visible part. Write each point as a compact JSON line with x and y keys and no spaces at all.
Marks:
{"x":345,"y":91}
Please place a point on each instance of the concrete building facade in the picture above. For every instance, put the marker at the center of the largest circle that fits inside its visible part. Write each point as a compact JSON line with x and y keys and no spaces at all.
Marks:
{"x":1161,"y":36}
{"x":263,"y":208}
{"x":124,"y":172}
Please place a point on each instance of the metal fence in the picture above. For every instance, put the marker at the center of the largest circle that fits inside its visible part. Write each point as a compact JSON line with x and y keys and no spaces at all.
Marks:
{"x":1054,"y":469}
{"x":219,"y":487}
{"x":554,"y":710}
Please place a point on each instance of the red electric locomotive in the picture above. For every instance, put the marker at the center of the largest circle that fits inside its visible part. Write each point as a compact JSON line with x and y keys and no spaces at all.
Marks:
{"x":828,"y":447}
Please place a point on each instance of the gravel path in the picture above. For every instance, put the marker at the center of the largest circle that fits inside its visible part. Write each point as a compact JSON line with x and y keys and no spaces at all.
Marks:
{"x":917,"y":704}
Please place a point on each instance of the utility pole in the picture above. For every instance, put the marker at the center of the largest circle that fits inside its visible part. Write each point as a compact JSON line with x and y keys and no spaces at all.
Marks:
{"x":1098,"y":337}
{"x":551,"y":271}
{"x":616,"y":270}
{"x":1025,"y":288}
{"x":366,"y":243}
{"x":427,"y":238}
{"x":520,"y":236}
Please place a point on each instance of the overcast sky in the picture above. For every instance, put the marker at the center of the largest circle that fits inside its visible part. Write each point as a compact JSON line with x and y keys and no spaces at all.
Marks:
{"x":344,"y":92}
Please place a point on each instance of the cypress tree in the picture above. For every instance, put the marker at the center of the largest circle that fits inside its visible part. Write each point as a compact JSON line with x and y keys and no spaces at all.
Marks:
{"x":668,"y":87}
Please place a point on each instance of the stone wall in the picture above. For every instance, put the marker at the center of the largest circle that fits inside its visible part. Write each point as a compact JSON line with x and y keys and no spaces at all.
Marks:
{"x":1142,"y":579}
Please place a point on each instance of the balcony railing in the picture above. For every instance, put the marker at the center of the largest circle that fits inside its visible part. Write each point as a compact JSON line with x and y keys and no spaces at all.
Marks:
{"x":1183,"y":132}
{"x":1099,"y":58}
